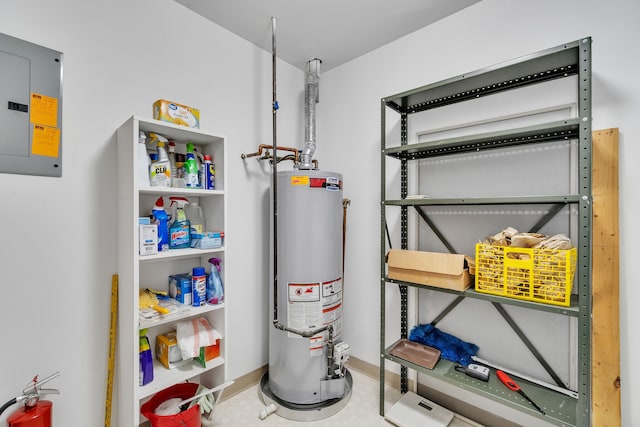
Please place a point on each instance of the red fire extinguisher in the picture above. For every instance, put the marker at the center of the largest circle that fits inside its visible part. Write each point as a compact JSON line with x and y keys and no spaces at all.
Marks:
{"x":35,"y":412}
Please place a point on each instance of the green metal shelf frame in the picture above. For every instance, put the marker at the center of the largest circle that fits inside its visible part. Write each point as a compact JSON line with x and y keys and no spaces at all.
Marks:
{"x":562,"y":61}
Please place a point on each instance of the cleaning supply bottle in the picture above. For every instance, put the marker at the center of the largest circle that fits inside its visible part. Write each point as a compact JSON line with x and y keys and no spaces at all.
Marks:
{"x":161,"y":219}
{"x":199,"y":162}
{"x":146,"y":359}
{"x":179,"y":178}
{"x":208,"y":173}
{"x":215,"y":290}
{"x":198,"y":287}
{"x":172,"y":163}
{"x":180,"y":230}
{"x":160,"y":170}
{"x":196,"y":218}
{"x":191,"y":168}
{"x":144,"y":162}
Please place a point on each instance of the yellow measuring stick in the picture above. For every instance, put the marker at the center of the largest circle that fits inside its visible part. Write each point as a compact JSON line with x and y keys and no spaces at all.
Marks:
{"x":112,"y":349}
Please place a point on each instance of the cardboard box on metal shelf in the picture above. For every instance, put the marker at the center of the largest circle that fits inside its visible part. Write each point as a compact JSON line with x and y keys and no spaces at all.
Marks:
{"x":441,"y":270}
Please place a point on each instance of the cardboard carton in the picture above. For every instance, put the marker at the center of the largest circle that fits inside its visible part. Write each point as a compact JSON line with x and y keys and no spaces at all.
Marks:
{"x":436,"y":269}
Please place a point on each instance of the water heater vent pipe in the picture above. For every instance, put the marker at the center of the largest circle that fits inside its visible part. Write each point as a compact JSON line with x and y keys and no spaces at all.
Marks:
{"x":311,"y":98}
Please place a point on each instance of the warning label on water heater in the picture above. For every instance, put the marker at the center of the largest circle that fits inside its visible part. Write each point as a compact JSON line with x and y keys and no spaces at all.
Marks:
{"x":305,"y":307}
{"x":314,"y":305}
{"x":304,"y":292}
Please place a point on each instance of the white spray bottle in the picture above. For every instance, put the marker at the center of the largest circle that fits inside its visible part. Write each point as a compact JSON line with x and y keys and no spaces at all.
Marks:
{"x":160,"y":170}
{"x":144,"y":162}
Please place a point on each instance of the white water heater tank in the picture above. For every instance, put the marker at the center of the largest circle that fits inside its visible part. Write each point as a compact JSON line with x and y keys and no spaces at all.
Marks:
{"x":309,"y":280}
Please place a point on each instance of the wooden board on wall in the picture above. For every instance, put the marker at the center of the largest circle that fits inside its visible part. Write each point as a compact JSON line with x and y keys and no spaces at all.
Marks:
{"x":605,"y":387}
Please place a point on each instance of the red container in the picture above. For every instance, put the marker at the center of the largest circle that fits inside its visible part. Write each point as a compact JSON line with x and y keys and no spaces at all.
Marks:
{"x":187,"y":418}
{"x":36,"y":416}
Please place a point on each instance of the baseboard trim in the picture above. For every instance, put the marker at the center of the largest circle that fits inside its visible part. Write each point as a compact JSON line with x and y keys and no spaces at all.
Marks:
{"x":244,"y":382}
{"x":252,"y":378}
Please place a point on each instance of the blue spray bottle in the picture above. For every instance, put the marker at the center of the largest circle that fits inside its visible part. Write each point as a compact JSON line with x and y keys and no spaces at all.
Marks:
{"x":161,"y":219}
{"x":180,"y":230}
{"x":215,"y":290}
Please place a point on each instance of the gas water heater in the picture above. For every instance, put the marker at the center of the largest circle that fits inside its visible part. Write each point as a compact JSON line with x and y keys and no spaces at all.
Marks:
{"x":307,"y":378}
{"x":308,"y":369}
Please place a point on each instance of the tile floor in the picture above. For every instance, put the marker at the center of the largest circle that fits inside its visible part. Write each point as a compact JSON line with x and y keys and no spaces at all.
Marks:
{"x":361,"y":410}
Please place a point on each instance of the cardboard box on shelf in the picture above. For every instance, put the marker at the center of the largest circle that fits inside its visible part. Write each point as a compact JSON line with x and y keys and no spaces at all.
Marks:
{"x":148,"y":239}
{"x":179,"y":114}
{"x":208,"y":353}
{"x":435,"y":269}
{"x":167,"y":351}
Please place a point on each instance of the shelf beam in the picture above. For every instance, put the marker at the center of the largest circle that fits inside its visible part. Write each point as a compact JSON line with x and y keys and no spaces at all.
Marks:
{"x":564,"y":130}
{"x":524,"y":200}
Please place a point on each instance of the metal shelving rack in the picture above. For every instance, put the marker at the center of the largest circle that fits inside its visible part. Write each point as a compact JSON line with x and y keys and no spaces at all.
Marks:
{"x":570,"y":59}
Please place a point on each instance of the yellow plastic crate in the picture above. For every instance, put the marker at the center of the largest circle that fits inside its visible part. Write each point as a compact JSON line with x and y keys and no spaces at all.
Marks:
{"x":540,"y":275}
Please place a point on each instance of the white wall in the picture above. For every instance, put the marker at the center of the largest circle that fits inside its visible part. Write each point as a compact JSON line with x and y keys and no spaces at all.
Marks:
{"x":58,"y":242}
{"x":489,"y":32}
{"x":57,"y":255}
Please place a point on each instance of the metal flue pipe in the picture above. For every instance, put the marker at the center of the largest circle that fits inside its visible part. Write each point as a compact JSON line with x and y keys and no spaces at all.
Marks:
{"x":311,"y":98}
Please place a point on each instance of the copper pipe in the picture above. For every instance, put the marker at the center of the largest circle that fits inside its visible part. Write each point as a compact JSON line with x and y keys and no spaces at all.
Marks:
{"x":263,"y":147}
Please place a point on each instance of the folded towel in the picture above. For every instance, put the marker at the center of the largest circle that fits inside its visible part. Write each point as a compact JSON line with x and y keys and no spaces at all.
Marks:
{"x":193,"y":334}
{"x":451,"y":348}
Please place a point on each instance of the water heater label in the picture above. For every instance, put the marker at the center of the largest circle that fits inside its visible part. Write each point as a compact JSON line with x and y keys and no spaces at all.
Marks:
{"x":330,"y":183}
{"x":316,"y":344}
{"x":303,"y":292}
{"x":299,"y":180}
{"x":333,"y":184}
{"x":305,"y":308}
{"x":331,"y":288}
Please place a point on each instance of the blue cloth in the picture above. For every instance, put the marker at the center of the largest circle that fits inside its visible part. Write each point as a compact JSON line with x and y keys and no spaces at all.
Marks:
{"x":451,"y":348}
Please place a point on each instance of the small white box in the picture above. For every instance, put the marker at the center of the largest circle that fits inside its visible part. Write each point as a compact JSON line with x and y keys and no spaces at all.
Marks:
{"x":148,"y":239}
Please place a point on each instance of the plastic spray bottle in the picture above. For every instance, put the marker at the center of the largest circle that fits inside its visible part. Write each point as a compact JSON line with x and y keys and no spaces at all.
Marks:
{"x":144,"y":162}
{"x":191,"y":168}
{"x":161,"y":219}
{"x":160,"y":170}
{"x":215,"y":290}
{"x":180,"y":230}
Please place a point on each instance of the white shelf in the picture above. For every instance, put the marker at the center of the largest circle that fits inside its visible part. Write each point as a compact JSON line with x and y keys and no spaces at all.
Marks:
{"x":134,"y":270}
{"x":163,"y":377}
{"x":188,"y":312}
{"x":180,"y":253}
{"x":180,"y":191}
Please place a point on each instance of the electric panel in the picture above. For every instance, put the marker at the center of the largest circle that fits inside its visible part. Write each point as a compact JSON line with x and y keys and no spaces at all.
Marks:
{"x":30,"y":108}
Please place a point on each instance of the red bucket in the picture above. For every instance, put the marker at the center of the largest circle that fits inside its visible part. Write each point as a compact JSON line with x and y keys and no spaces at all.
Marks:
{"x":187,"y":418}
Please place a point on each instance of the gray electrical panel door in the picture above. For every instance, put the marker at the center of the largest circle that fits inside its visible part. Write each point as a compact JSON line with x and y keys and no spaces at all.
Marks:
{"x":30,"y":108}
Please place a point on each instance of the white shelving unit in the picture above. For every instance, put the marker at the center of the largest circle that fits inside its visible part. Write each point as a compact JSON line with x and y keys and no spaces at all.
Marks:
{"x":151,"y":271}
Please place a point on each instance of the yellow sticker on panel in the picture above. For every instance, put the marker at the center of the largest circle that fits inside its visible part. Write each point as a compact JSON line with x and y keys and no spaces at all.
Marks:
{"x":46,"y":141}
{"x":44,"y":110}
{"x":300,"y":180}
